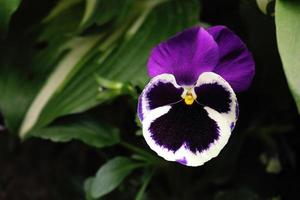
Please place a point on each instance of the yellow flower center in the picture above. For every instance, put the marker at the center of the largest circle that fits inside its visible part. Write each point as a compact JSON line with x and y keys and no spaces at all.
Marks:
{"x":189,"y":99}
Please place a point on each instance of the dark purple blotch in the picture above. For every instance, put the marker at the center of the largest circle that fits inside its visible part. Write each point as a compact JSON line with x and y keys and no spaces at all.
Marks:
{"x":163,"y":94}
{"x":183,"y":124}
{"x":214,"y":96}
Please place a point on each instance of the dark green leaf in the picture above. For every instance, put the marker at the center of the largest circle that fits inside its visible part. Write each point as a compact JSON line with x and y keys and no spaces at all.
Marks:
{"x":93,"y":133}
{"x":15,"y":90}
{"x":60,"y":8}
{"x":266,"y":6}
{"x":145,"y":181}
{"x":287,"y":15}
{"x":80,"y":48}
{"x":18,"y":82}
{"x":7,"y":8}
{"x":111,"y":174}
{"x":101,"y":11}
{"x":237,"y":194}
{"x":110,"y":54}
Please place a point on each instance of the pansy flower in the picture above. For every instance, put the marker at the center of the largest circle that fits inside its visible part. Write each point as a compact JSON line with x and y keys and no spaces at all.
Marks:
{"x":189,"y":108}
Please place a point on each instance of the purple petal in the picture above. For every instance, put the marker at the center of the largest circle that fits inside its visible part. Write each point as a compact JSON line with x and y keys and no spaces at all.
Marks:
{"x":182,"y":161}
{"x":236,"y":63}
{"x":186,"y":56}
{"x":140,"y":108}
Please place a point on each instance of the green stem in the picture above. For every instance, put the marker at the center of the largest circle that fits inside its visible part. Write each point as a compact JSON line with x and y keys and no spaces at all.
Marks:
{"x":150,"y":158}
{"x":146,"y":180}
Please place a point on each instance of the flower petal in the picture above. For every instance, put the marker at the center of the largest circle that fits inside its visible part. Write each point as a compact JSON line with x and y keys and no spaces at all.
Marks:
{"x":186,"y":55}
{"x":190,"y":135}
{"x":213,"y":91}
{"x":236,"y":64}
{"x":160,"y":91}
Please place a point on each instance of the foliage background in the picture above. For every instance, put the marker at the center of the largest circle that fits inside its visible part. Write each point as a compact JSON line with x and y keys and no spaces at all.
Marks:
{"x":79,"y":129}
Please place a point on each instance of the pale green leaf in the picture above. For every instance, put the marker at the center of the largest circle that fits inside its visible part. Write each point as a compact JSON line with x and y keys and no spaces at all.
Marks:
{"x":87,"y":187}
{"x":266,"y":6}
{"x":287,"y":18}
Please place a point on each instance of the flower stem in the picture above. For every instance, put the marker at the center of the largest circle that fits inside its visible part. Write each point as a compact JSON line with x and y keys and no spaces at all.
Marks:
{"x":150,"y":158}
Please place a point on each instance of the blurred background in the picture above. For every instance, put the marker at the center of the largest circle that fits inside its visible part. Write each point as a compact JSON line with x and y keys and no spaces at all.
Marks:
{"x":70,"y":75}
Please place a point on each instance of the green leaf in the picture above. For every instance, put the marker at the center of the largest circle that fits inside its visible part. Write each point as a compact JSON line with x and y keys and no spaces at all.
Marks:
{"x":287,"y":15}
{"x":146,"y":180}
{"x":109,"y":90}
{"x":266,"y":6}
{"x":61,"y":7}
{"x":56,"y":79}
{"x":237,"y":194}
{"x":59,"y":79}
{"x":19,"y":83}
{"x":87,"y":187}
{"x":15,"y":90}
{"x":93,"y":133}
{"x":101,"y":11}
{"x":63,"y":25}
{"x":7,"y":8}
{"x":111,"y":174}
{"x":272,"y":163}
{"x":26,"y":62}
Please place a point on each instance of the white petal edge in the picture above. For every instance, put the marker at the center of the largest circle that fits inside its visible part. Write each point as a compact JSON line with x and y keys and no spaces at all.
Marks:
{"x":164,"y":78}
{"x":193,"y":159}
{"x":210,"y":77}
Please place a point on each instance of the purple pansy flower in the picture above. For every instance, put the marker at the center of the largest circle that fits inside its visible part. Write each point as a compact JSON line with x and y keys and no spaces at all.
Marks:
{"x":189,"y":107}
